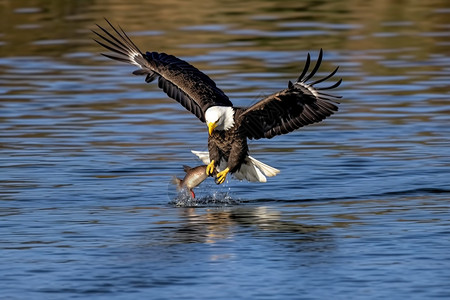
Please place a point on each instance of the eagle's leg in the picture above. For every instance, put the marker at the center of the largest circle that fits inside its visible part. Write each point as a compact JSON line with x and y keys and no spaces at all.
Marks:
{"x":210,"y":168}
{"x":221,"y":176}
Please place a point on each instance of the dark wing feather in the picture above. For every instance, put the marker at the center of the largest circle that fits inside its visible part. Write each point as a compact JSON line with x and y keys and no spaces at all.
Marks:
{"x":299,"y":105}
{"x":177,"y":78}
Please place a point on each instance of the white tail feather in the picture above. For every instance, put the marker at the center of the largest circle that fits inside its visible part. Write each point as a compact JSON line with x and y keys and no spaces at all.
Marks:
{"x":203,"y":155}
{"x":266,"y":169}
{"x":251,"y":170}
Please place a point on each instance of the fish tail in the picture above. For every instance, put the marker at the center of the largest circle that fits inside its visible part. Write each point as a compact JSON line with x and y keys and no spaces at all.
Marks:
{"x":177,"y":182}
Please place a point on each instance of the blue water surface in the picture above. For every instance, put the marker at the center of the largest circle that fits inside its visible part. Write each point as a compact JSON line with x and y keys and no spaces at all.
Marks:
{"x":360,"y":209}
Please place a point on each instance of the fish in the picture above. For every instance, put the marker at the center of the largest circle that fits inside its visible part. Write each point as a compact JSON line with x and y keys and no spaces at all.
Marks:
{"x":194,"y":176}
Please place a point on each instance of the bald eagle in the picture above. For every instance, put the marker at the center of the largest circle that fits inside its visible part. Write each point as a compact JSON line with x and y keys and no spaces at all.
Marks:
{"x":229,"y":127}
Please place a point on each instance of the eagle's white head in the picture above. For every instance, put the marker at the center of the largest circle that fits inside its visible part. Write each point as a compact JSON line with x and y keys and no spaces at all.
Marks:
{"x":219,"y":118}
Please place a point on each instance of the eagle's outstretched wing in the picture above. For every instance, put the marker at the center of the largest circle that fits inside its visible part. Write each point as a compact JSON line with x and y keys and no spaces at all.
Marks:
{"x":178,"y":79}
{"x":299,"y":105}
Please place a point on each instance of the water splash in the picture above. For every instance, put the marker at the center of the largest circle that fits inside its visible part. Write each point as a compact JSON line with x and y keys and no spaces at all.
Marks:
{"x":215,"y":199}
{"x":208,"y":194}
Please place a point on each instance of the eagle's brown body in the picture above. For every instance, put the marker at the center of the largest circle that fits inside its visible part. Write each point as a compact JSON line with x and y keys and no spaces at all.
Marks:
{"x":229,"y":145}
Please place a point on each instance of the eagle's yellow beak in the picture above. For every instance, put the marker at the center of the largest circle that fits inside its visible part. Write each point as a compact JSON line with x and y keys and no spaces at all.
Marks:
{"x":211,"y":126}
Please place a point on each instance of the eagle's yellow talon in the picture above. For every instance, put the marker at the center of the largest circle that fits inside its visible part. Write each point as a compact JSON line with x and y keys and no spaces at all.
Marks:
{"x":210,"y":168}
{"x":221,"y":176}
